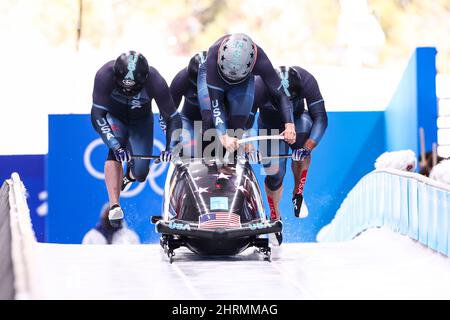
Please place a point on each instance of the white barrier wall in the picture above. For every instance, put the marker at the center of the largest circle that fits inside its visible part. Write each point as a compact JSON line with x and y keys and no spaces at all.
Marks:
{"x":408,"y":203}
{"x":6,"y":266}
{"x":17,"y":242}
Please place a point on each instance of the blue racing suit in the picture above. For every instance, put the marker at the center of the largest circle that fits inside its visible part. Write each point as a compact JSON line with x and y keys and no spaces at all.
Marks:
{"x":310,"y":122}
{"x":124,"y":121}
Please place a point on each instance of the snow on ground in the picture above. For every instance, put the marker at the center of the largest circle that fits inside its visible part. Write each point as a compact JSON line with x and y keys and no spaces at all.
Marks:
{"x":379,"y":264}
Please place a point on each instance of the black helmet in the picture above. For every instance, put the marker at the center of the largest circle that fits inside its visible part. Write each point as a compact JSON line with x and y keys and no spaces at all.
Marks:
{"x":130,"y":72}
{"x":290,"y":81}
{"x":194,"y":64}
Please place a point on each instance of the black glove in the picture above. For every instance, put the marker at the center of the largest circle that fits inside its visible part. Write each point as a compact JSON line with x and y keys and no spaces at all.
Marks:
{"x":300,"y":154}
{"x":166,"y":156}
{"x":122,"y":155}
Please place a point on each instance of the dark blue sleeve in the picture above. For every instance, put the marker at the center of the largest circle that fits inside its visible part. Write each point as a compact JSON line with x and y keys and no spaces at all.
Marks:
{"x":259,"y":99}
{"x":158,"y":86}
{"x":216,"y":88}
{"x":315,"y":103}
{"x":265,"y":70}
{"x":218,"y":110}
{"x":320,"y":121}
{"x":100,"y":100}
{"x":179,"y":86}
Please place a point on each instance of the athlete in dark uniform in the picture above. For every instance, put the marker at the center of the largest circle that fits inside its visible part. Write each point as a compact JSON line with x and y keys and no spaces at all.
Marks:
{"x":121,"y":113}
{"x":185,"y":85}
{"x":310,"y":124}
{"x":226,"y":86}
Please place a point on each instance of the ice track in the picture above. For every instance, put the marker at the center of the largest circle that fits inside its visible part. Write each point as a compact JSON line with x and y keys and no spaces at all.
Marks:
{"x":379,"y":264}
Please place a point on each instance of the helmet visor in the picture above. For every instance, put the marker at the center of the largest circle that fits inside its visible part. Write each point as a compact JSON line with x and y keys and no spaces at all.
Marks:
{"x":129,"y":87}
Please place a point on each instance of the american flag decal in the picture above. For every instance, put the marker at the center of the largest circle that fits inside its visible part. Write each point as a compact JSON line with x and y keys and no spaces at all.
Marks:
{"x":219,"y":220}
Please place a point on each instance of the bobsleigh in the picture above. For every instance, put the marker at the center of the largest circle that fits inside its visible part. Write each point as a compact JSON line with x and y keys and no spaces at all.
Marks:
{"x":213,"y":208}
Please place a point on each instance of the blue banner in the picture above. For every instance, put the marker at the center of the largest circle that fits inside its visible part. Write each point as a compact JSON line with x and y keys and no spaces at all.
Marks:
{"x":77,"y":188}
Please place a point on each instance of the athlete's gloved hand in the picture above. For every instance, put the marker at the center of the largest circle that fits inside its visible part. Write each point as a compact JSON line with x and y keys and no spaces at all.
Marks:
{"x":166,"y":156}
{"x":229,"y":143}
{"x":289,"y":133}
{"x":122,"y":155}
{"x":253,"y":156}
{"x":300,"y":154}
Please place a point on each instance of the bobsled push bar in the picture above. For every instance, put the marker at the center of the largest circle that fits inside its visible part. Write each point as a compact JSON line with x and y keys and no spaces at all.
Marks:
{"x":258,"y":138}
{"x":245,"y":140}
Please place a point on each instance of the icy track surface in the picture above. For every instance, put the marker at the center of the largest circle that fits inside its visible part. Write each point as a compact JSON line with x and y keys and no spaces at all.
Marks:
{"x":379,"y":264}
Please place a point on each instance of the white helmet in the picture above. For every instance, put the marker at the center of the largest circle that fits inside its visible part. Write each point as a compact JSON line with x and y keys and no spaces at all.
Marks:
{"x":236,"y":58}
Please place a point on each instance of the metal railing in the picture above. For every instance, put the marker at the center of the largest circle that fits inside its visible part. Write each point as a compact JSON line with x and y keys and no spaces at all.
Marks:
{"x":408,"y":203}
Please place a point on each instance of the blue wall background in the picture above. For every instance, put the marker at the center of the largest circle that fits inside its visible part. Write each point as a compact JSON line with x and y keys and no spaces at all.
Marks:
{"x":31,"y":171}
{"x":414,"y":104}
{"x":347,"y":152}
{"x":76,"y":196}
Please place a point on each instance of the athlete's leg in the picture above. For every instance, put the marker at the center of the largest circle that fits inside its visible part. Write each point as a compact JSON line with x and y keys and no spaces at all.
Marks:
{"x":275,"y":170}
{"x":141,"y":142}
{"x":114,"y":172}
{"x":273,"y":185}
{"x":303,"y":127}
{"x":113,"y":181}
{"x":300,"y":170}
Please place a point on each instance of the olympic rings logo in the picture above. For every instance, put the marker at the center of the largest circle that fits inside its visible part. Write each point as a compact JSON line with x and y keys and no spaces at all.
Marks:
{"x":155,"y":170}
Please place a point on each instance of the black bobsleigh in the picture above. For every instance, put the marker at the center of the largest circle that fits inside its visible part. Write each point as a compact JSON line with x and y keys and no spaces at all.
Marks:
{"x":213,"y":208}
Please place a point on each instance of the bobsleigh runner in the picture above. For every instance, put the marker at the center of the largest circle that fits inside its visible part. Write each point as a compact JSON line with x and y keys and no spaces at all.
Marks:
{"x":213,"y":208}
